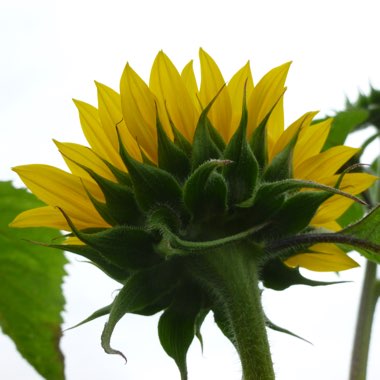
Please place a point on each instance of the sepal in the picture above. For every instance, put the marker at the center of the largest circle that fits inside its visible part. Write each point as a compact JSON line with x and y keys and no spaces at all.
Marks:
{"x":177,"y":325}
{"x":96,"y":314}
{"x":207,"y":143}
{"x":278,"y":276}
{"x":151,"y":185}
{"x":259,"y":139}
{"x":126,"y":247}
{"x":203,"y":190}
{"x":144,"y":290}
{"x":120,"y":206}
{"x":281,"y":166}
{"x":243,"y":172}
{"x":102,"y":262}
{"x":296,"y":213}
{"x":120,"y":201}
{"x":170,"y":157}
{"x":277,"y":328}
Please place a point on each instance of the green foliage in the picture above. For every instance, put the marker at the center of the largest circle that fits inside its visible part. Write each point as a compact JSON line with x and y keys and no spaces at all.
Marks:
{"x":343,"y":124}
{"x":366,"y":235}
{"x":353,"y":214}
{"x":31,"y":299}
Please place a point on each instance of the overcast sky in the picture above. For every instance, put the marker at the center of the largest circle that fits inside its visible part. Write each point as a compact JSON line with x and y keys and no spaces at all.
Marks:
{"x":51,"y":51}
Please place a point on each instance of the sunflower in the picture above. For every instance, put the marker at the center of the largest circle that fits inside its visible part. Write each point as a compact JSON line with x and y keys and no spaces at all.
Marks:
{"x":190,"y":196}
{"x":175,"y":101}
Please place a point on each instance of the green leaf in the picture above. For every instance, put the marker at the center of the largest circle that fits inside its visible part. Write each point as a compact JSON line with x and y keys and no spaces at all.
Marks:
{"x":353,"y":214}
{"x":344,"y":123}
{"x":366,"y":233}
{"x":242,"y":174}
{"x":144,"y":290}
{"x":177,"y":326}
{"x":31,"y":299}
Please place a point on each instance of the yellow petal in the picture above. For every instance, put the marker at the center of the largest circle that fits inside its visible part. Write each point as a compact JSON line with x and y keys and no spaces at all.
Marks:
{"x":324,"y":164}
{"x":190,"y":83}
{"x":75,"y":153}
{"x":327,"y":258}
{"x":310,"y":141}
{"x":58,"y":188}
{"x":235,"y":88}
{"x":46,"y":216}
{"x":49,"y":216}
{"x":337,"y":205}
{"x":73,"y":240}
{"x":329,"y":225}
{"x":291,"y":131}
{"x":331,"y":210}
{"x":167,"y":84}
{"x":139,"y":111}
{"x":352,"y":183}
{"x":109,"y":108}
{"x":95,"y":134}
{"x":212,"y":81}
{"x":265,"y":95}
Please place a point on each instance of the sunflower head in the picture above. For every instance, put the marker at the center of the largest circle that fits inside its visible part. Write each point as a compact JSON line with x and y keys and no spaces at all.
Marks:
{"x":175,"y":170}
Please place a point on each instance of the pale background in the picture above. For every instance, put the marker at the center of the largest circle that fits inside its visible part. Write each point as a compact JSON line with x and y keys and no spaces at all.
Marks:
{"x":51,"y":51}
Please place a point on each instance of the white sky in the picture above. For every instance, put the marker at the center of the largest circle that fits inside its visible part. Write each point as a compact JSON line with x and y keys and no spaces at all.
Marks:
{"x":51,"y":51}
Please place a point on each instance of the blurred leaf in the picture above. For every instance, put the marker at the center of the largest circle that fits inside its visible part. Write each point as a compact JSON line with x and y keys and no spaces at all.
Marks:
{"x":344,"y":123}
{"x":31,"y":299}
{"x":367,"y":232}
{"x":353,"y":214}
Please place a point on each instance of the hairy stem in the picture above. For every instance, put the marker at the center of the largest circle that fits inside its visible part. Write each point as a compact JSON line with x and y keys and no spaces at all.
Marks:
{"x":230,"y":276}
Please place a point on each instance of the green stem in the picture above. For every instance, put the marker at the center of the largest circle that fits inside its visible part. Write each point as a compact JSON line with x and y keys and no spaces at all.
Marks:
{"x":230,"y":277}
{"x":364,"y":322}
{"x":369,"y":296}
